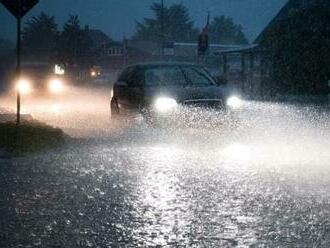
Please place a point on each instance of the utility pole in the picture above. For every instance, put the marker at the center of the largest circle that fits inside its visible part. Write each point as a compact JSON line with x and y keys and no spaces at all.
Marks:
{"x":203,"y":41}
{"x":18,"y":67}
{"x":162,"y":30}
{"x":125,"y":50}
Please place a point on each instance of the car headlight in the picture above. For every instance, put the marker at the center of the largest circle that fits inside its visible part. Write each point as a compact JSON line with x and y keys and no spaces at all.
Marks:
{"x":24,"y":86}
{"x":56,"y":86}
{"x":165,"y":104}
{"x":234,"y":102}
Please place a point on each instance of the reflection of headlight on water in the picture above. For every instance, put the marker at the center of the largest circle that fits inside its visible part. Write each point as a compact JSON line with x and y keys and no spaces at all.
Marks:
{"x":165,"y":104}
{"x":234,"y":102}
{"x":56,"y":86}
{"x":24,"y":86}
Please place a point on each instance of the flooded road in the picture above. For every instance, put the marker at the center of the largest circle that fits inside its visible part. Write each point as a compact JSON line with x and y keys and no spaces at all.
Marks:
{"x":264,"y":183}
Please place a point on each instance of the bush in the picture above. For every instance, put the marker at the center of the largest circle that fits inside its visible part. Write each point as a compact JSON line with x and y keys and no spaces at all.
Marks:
{"x":29,"y":137}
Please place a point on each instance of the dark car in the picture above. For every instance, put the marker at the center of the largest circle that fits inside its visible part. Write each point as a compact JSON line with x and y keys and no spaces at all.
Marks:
{"x":162,"y":89}
{"x":41,"y":78}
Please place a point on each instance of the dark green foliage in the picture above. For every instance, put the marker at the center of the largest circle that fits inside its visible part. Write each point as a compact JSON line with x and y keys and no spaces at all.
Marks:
{"x":177,"y":25}
{"x":299,"y":49}
{"x":223,"y":30}
{"x":74,"y":45}
{"x":39,"y":36}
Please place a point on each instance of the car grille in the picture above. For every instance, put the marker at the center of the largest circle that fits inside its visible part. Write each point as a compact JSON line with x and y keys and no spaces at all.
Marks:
{"x":204,"y":103}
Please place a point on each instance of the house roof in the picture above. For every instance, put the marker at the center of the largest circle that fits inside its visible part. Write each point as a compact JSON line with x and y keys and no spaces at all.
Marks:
{"x":285,"y":11}
{"x":247,"y":48}
{"x":195,"y":45}
{"x":149,"y":47}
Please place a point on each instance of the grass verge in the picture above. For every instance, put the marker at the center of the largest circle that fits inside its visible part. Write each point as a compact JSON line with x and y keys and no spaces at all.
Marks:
{"x":29,"y":136}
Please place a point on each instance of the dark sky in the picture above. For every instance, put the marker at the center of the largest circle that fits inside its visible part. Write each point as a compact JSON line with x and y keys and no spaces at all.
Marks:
{"x":117,"y":17}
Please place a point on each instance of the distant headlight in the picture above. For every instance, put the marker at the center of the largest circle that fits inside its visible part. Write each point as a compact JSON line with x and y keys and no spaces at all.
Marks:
{"x":24,"y":86}
{"x":234,"y":102}
{"x":93,"y":74}
{"x":165,"y":104}
{"x":56,"y":86}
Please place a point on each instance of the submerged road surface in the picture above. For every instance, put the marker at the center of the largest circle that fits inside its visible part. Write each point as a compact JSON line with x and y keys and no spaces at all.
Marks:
{"x":264,"y":183}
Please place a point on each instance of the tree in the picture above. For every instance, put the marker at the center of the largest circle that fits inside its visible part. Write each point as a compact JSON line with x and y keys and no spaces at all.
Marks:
{"x":74,"y":46}
{"x":223,"y":30}
{"x":39,"y":36}
{"x":170,"y":24}
{"x":6,"y":54}
{"x":299,"y":48}
{"x":6,"y":47}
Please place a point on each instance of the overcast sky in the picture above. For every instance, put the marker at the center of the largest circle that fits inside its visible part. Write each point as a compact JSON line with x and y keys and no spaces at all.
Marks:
{"x":117,"y":17}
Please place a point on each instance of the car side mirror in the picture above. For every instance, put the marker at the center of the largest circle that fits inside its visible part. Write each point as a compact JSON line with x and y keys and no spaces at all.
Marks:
{"x":122,"y":84}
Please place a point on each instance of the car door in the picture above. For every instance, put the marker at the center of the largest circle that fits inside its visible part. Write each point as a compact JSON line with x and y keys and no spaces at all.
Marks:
{"x":121,"y":88}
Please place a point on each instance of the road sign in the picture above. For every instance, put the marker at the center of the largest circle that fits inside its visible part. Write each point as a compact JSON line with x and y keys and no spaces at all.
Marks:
{"x":203,"y":44}
{"x":19,"y":8}
{"x":203,"y":39}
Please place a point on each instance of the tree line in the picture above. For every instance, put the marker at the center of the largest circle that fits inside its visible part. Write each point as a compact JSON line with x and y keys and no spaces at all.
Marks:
{"x":42,"y":40}
{"x":173,"y":23}
{"x":73,"y":45}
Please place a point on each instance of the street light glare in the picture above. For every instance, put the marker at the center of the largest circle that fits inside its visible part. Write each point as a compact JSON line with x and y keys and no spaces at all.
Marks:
{"x":23,"y":86}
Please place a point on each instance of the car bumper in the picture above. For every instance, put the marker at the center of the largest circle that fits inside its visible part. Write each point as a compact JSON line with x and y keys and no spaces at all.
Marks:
{"x":192,"y":117}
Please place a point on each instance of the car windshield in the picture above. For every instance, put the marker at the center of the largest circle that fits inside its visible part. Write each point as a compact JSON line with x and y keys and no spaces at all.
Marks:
{"x":178,"y":76}
{"x":165,"y":76}
{"x":198,"y":76}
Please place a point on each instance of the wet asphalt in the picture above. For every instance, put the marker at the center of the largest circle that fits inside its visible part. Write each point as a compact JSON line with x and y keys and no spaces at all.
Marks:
{"x":263,"y":183}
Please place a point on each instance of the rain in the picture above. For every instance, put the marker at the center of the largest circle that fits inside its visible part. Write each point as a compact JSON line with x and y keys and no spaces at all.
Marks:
{"x":256,"y":175}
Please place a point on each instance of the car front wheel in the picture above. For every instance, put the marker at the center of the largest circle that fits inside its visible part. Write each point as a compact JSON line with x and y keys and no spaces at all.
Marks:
{"x":114,"y":109}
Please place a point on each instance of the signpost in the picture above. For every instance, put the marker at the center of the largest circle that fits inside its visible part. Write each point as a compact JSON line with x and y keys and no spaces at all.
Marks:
{"x":203,"y":39}
{"x":19,"y":8}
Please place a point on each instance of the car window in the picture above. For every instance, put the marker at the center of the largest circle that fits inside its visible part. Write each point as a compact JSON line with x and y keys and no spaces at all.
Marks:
{"x":134,"y":78}
{"x":198,"y":76}
{"x":125,"y":74}
{"x":164,"y":76}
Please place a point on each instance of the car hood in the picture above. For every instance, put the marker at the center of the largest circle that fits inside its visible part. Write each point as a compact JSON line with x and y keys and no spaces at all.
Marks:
{"x":182,"y":94}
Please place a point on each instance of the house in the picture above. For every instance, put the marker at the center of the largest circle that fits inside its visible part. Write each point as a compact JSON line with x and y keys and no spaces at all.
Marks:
{"x":191,"y":49}
{"x":98,"y":37}
{"x":291,"y":5}
{"x":253,"y":77}
{"x":116,"y":55}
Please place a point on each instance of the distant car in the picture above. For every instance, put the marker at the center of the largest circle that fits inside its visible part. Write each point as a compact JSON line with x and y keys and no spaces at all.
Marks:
{"x":162,"y":89}
{"x":41,"y":78}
